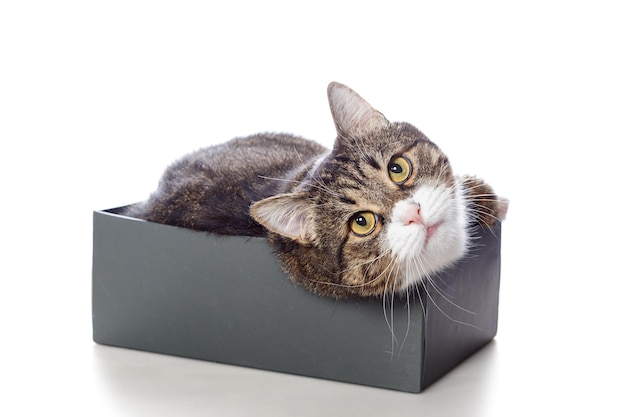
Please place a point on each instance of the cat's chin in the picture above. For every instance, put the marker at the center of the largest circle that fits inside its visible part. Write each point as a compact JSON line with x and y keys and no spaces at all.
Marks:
{"x":429,"y":250}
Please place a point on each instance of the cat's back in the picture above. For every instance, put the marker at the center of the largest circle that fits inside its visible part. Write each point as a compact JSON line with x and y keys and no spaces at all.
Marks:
{"x":266,"y":151}
{"x":245,"y":161}
{"x":212,"y":188}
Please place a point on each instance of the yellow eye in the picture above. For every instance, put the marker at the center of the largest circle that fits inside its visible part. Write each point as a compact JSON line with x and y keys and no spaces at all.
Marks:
{"x":399,"y":169}
{"x":363,"y":223}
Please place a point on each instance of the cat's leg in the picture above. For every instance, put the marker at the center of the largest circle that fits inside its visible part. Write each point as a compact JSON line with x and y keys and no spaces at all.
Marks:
{"x":483,"y":205}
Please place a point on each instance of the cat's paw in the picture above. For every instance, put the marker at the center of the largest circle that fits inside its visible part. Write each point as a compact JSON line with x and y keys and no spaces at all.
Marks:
{"x":502,"y":208}
{"x":483,"y":205}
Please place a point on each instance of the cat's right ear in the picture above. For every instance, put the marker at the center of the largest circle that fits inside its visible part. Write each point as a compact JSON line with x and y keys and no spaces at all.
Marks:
{"x":351,"y":113}
{"x":286,"y":214}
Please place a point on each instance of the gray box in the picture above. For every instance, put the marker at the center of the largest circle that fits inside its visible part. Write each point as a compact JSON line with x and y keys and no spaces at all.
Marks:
{"x":180,"y":292}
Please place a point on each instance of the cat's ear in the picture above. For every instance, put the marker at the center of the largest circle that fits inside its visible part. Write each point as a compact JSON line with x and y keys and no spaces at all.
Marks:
{"x":286,"y":214}
{"x":351,"y":113}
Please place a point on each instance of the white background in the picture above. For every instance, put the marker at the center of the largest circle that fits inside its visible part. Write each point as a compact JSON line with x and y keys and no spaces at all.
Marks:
{"x":96,"y":98}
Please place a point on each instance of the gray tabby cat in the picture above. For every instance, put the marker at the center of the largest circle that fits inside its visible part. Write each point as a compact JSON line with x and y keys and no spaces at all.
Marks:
{"x":378,"y":213}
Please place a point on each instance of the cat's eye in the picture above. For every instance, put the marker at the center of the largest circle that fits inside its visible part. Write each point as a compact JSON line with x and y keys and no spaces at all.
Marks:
{"x":399,"y":169}
{"x":363,"y":223}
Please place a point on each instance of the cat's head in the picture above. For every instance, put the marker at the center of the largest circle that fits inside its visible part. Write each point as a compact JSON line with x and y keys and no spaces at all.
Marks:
{"x":377,"y":214}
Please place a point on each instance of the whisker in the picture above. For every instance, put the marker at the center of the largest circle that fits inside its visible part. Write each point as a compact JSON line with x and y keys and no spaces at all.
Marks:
{"x":439,"y":308}
{"x":410,"y":264}
{"x":319,"y":187}
{"x":478,"y":214}
{"x":447,"y":315}
{"x":373,"y":280}
{"x":475,"y":210}
{"x":408,"y":309}
{"x":491,"y":200}
{"x":445,"y":296}
{"x":389,"y":316}
{"x":371,"y":261}
{"x":428,"y":276}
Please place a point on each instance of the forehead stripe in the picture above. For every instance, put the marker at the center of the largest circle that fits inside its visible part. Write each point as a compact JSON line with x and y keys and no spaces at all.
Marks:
{"x":373,"y":162}
{"x":415,"y":143}
{"x":347,"y":200}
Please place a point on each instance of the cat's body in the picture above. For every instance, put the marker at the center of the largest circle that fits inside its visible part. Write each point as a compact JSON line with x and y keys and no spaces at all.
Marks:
{"x":212,"y":189}
{"x":378,"y":213}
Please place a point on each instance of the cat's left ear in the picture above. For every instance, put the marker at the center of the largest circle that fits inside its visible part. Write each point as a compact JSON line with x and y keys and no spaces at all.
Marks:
{"x":351,"y":113}
{"x":286,"y":214}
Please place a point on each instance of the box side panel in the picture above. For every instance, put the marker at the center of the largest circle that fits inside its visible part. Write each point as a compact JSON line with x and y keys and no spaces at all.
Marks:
{"x":169,"y":290}
{"x":462,"y":308}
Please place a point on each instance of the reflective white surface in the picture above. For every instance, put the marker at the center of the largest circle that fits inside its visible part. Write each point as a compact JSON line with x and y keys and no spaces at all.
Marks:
{"x":97,"y":98}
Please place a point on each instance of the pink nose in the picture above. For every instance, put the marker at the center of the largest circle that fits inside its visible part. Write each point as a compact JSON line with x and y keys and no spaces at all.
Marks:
{"x":411,"y":214}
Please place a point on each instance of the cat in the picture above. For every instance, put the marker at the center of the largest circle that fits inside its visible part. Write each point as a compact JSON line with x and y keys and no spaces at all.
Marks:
{"x":376,"y":214}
